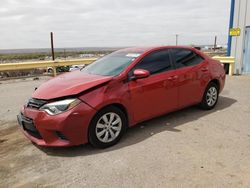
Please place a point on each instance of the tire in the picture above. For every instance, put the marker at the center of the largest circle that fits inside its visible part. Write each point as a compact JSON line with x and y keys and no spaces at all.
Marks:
{"x":210,"y":96}
{"x":104,"y":132}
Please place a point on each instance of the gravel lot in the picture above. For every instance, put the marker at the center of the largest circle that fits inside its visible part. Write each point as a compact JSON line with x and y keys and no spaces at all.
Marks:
{"x":188,"y":148}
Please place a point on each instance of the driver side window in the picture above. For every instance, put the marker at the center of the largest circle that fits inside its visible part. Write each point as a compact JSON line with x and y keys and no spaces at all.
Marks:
{"x":156,"y":62}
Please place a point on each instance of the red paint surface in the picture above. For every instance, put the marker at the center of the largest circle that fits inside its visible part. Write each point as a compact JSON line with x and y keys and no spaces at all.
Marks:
{"x":69,"y":84}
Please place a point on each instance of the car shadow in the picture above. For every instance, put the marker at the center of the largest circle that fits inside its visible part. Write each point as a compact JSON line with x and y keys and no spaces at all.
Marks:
{"x":144,"y":130}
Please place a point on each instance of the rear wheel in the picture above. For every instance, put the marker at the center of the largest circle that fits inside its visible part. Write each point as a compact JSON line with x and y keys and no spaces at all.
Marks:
{"x":210,"y":97}
{"x":107,"y":127}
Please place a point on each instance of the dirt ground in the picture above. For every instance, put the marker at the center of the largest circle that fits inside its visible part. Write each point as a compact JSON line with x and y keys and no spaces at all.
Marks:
{"x":188,"y":148}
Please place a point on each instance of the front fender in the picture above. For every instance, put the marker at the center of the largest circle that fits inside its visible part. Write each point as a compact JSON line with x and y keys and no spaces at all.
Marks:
{"x":113,"y":93}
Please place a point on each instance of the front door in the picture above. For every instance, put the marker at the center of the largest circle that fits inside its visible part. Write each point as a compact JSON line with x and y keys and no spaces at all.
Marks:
{"x":156,"y":94}
{"x":246,"y":52}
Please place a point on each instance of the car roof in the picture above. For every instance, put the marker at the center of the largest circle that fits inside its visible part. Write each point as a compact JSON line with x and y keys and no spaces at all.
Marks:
{"x":146,"y":49}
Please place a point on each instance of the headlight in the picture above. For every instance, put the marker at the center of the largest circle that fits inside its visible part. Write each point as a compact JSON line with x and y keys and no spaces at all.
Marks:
{"x":58,"y":107}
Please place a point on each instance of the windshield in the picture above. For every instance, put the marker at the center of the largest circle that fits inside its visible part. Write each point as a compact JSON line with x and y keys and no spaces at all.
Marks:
{"x":112,"y":64}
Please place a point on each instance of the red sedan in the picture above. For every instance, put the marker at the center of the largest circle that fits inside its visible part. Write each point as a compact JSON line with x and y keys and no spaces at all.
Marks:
{"x":98,"y":103}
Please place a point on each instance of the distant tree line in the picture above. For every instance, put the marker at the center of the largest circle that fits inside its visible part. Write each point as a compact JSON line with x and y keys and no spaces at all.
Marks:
{"x":45,"y":55}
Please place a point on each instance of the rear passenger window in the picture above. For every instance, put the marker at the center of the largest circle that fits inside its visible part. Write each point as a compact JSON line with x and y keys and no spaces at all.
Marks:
{"x":184,"y":58}
{"x":156,"y":62}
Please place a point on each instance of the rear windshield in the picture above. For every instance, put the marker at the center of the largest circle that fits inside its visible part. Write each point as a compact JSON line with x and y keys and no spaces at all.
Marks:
{"x":112,"y":64}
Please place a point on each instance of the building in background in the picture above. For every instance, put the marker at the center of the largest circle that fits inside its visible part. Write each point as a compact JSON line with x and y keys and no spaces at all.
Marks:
{"x":239,"y":35}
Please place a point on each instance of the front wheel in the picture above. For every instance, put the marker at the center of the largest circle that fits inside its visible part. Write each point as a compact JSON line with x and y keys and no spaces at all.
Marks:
{"x":107,"y":127}
{"x":210,"y":97}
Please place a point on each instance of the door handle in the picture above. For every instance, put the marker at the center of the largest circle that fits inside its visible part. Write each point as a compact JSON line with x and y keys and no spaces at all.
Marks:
{"x":204,"y":69}
{"x":172,"y":78}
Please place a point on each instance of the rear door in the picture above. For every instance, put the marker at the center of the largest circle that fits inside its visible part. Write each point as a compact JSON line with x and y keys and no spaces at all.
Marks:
{"x":191,"y":69}
{"x":156,"y":94}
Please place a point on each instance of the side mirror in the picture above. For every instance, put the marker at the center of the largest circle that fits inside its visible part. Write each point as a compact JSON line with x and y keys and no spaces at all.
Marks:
{"x":140,"y":73}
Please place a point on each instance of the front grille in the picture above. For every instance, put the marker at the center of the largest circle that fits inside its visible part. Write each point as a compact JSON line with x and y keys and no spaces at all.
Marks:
{"x":35,"y":103}
{"x":34,"y":134}
{"x":29,"y":126}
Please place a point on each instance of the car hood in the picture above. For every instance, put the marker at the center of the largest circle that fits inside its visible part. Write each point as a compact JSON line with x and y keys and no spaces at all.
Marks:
{"x":69,"y":84}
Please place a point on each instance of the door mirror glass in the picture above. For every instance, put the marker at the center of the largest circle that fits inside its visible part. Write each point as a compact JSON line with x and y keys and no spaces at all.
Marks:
{"x":140,"y":73}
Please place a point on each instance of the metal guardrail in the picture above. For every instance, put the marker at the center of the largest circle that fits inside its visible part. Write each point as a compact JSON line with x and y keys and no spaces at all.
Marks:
{"x":227,"y":60}
{"x":42,"y":64}
{"x":58,"y":63}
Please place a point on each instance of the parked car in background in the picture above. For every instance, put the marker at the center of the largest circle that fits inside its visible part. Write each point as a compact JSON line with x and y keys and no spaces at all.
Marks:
{"x":76,"y":67}
{"x":98,"y":103}
{"x":59,"y":69}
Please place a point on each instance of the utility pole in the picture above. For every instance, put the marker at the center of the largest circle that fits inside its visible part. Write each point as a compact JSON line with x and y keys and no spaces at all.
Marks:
{"x":52,"y":52}
{"x":64,"y":53}
{"x":52,"y":46}
{"x":215,"y":42}
{"x":176,"y":39}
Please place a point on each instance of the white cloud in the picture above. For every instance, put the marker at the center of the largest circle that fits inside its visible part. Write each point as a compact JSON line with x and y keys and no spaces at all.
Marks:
{"x":78,"y":23}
